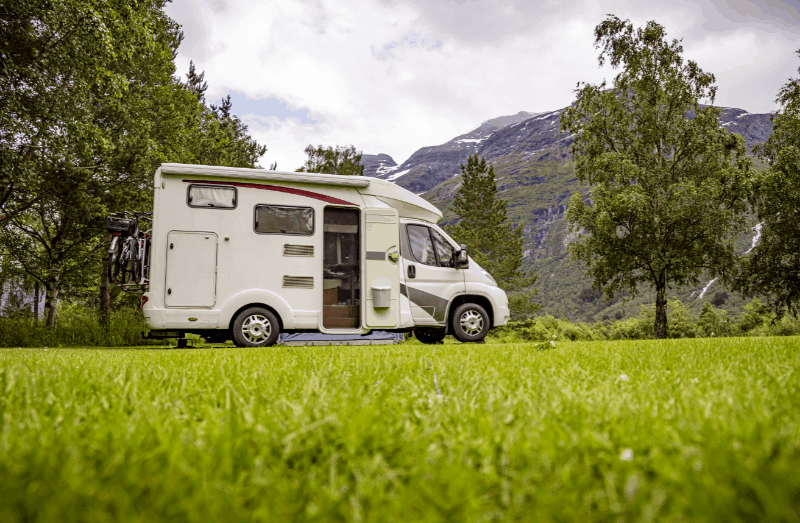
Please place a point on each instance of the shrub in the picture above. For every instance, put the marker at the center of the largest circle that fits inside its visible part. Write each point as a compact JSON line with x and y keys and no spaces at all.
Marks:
{"x":78,"y":326}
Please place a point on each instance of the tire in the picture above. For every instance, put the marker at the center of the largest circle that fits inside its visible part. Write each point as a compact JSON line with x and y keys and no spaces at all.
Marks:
{"x":136,"y":263}
{"x":430,"y":337}
{"x":470,"y":322}
{"x":125,"y":264}
{"x":128,"y":261}
{"x":255,"y":327}
{"x":113,"y":265}
{"x":146,"y":261}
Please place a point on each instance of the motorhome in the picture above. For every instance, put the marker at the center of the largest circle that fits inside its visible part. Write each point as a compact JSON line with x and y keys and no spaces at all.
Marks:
{"x":245,"y":254}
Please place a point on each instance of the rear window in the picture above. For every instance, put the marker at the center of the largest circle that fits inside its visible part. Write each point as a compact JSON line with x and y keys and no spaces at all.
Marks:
{"x":281,"y":219}
{"x":211,"y":196}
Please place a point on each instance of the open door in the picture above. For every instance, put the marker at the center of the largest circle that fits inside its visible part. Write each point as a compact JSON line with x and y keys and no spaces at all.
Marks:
{"x":382,"y":271}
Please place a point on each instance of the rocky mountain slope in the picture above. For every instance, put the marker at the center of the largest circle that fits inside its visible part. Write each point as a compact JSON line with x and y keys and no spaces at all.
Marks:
{"x":535,"y":174}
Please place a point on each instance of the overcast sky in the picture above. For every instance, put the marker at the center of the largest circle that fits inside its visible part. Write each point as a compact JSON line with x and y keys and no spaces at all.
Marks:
{"x":394,"y":76}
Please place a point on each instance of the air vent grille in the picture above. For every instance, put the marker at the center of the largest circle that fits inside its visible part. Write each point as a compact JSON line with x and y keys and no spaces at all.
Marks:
{"x":298,"y":282}
{"x":298,"y":250}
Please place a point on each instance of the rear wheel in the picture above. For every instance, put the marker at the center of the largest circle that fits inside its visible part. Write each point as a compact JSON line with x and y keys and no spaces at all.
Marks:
{"x":125,"y":264}
{"x":430,"y":336}
{"x":470,"y":322}
{"x":113,"y":261}
{"x":255,"y":327}
{"x":136,"y":263}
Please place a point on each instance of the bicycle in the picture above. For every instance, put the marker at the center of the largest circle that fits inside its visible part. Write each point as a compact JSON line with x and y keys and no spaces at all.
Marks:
{"x":129,"y":252}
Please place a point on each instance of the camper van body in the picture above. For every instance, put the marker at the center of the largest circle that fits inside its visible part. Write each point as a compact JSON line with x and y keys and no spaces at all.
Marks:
{"x":335,"y":254}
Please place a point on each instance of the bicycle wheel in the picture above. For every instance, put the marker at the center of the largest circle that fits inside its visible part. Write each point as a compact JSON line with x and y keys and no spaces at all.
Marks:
{"x":146,"y":260}
{"x":113,"y":260}
{"x":125,"y":263}
{"x":136,"y":262}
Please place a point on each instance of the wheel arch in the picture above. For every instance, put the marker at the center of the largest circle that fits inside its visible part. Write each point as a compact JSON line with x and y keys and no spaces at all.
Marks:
{"x":477,"y":299}
{"x":256,"y":304}
{"x":255,"y":298}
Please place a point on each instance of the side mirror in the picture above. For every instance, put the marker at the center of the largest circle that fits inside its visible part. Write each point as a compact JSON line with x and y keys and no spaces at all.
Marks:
{"x":461,"y":257}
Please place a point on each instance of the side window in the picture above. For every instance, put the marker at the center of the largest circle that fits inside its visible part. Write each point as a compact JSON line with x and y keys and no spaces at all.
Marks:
{"x":281,"y":219}
{"x":211,"y":196}
{"x":421,"y":245}
{"x":443,"y":249}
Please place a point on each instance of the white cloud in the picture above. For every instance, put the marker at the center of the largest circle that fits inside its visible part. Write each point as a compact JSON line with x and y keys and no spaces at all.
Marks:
{"x":390,"y":78}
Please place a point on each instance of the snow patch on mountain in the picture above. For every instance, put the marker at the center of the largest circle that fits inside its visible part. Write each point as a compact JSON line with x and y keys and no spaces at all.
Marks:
{"x":384,"y":170}
{"x":397,"y":175}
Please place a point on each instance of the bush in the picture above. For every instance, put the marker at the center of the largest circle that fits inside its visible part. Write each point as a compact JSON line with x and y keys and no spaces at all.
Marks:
{"x":757,"y":320}
{"x":78,"y":326}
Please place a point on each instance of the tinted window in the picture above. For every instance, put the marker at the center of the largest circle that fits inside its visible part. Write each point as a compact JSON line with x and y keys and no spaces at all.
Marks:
{"x":443,"y":249}
{"x":278,"y":219}
{"x":421,"y":244}
{"x":212,"y":197}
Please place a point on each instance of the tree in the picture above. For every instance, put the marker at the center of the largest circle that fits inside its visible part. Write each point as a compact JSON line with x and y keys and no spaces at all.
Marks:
{"x":340,"y":160}
{"x":89,"y":106}
{"x":773,"y":266}
{"x":668,"y":184}
{"x":494,"y":244}
{"x":86,"y":104}
{"x":215,"y":136}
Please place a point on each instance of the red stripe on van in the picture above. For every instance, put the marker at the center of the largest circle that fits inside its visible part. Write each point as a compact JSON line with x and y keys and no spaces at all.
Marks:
{"x":300,"y":192}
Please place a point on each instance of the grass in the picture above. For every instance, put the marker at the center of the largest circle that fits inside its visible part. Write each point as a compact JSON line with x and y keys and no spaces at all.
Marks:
{"x":675,"y":430}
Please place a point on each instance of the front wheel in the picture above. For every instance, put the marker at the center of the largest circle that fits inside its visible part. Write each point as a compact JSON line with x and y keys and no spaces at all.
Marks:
{"x":255,"y":327}
{"x":470,"y":322}
{"x":430,"y":337}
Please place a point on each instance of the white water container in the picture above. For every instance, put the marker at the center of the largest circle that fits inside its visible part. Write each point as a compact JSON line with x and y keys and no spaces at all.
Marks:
{"x":381,"y":296}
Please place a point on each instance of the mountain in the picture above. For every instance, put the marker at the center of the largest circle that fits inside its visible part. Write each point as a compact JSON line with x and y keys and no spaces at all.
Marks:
{"x":534,"y":172}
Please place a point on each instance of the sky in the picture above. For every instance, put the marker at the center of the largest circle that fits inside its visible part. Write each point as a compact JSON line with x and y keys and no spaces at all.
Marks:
{"x":393,"y":76}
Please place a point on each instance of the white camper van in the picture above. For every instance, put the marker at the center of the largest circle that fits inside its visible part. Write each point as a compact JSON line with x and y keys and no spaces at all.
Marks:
{"x":245,"y":254}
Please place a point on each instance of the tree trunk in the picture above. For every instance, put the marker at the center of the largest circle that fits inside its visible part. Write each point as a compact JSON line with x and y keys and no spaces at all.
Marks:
{"x":105,"y":298}
{"x":51,"y":302}
{"x":51,"y":285}
{"x":36,"y":291}
{"x":660,"y":328}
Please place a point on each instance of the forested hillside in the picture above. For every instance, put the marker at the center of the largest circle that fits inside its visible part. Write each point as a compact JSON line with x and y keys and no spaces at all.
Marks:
{"x":535,"y":173}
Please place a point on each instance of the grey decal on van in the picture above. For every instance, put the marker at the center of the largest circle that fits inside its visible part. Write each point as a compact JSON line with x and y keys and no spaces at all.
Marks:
{"x":424,"y":299}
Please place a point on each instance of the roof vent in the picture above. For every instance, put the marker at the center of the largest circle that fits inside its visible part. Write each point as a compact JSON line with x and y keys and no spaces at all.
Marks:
{"x":298,"y":282}
{"x":298,"y":250}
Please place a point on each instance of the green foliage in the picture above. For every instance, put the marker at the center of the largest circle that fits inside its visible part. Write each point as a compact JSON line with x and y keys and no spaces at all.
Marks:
{"x":341,"y":160}
{"x":684,"y":430}
{"x":77,"y":326}
{"x":755,"y":315}
{"x":543,"y":329}
{"x":218,"y":137}
{"x":714,"y":322}
{"x":757,"y":320}
{"x":668,"y":192}
{"x":773,"y":266}
{"x":87,"y":91}
{"x":494,"y":244}
{"x":680,"y":321}
{"x":89,"y":107}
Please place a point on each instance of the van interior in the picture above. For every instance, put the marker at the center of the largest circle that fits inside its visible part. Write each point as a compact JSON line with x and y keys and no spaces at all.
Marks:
{"x":340,"y":280}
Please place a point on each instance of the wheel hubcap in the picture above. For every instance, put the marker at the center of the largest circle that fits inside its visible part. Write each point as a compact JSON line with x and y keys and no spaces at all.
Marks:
{"x":256,"y":329}
{"x":471,"y":323}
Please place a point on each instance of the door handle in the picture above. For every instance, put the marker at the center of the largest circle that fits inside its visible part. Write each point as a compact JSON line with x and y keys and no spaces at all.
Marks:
{"x":412,"y":271}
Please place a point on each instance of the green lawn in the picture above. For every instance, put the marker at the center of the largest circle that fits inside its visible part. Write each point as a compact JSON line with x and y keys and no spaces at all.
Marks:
{"x":679,"y":430}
